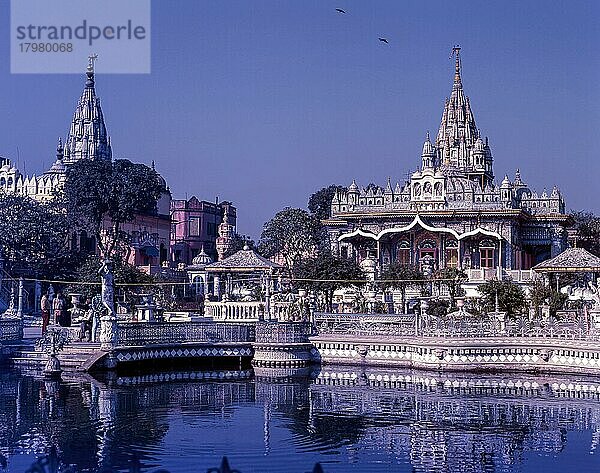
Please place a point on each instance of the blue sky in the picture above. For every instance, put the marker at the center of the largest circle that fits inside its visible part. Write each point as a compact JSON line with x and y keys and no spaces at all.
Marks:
{"x":263,"y":102}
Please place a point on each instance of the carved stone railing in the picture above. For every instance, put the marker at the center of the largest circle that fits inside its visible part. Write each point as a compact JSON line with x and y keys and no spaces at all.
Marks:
{"x":11,"y":329}
{"x":234,"y":311}
{"x":143,"y":334}
{"x":390,"y":326}
{"x":282,"y":332}
{"x":246,"y":311}
{"x":516,"y":275}
{"x":365,"y":324}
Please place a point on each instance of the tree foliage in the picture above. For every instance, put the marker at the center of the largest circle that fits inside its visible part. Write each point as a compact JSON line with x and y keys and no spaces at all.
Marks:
{"x":511,"y":298}
{"x":587,"y":231}
{"x":402,"y":277}
{"x":238,"y":243}
{"x":101,"y":191}
{"x":541,"y":294}
{"x":319,"y":204}
{"x":328,"y":273}
{"x":452,"y":279}
{"x":293,"y":234}
{"x":87,"y":273}
{"x":34,"y":236}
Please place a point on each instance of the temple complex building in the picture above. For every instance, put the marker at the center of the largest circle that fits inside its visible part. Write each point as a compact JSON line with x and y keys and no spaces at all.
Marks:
{"x":88,"y":139}
{"x":452,"y":212}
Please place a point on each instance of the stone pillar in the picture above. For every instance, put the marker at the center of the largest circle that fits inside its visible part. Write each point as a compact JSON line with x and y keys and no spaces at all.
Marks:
{"x":205,"y":283}
{"x":20,"y":299}
{"x":38,"y":297}
{"x":268,"y":297}
{"x":216,"y":287}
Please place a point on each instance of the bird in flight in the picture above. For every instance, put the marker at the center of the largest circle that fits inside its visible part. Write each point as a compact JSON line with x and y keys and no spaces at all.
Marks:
{"x":339,"y":10}
{"x":384,"y":40}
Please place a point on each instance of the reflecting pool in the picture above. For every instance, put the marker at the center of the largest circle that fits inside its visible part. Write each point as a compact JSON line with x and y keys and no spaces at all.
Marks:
{"x":347,"y":418}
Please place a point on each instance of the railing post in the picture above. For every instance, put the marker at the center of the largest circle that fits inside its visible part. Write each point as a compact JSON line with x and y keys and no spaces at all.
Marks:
{"x":20,"y":299}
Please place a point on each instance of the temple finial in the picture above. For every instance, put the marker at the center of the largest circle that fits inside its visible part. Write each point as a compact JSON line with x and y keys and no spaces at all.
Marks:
{"x":59,"y":149}
{"x":92,"y":58}
{"x":456,"y":54}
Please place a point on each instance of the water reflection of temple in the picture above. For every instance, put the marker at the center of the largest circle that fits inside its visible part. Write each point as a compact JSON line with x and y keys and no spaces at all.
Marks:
{"x":434,"y":422}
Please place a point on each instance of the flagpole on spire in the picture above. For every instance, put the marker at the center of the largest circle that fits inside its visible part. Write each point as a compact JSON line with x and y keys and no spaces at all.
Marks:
{"x":456,"y":53}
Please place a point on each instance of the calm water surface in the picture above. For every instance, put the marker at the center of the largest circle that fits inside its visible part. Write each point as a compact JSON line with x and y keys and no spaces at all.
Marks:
{"x":349,"y":419}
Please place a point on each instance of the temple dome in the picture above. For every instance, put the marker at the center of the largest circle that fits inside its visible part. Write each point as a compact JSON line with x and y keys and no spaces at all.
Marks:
{"x":58,"y":167}
{"x":202,"y":258}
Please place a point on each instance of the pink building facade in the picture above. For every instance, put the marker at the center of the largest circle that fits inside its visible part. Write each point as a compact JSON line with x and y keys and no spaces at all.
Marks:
{"x":194,"y":225}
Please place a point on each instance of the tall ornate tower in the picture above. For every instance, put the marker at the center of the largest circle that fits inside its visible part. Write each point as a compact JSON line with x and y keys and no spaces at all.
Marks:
{"x":87,"y":137}
{"x":459,"y":144}
{"x":225,"y":238}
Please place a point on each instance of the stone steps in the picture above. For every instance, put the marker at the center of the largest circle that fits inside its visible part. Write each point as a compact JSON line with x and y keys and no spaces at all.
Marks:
{"x":72,"y":357}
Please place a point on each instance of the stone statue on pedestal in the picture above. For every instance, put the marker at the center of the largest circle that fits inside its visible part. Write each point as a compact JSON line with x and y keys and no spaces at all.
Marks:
{"x":108,"y":322}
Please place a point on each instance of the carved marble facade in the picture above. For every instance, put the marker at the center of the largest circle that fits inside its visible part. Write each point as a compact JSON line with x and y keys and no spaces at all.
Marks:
{"x":451,"y":211}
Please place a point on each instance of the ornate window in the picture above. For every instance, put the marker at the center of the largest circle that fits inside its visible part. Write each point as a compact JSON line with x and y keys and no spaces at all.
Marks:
{"x":438,"y":189}
{"x":417,"y":189}
{"x":403,"y":252}
{"x":427,"y":188}
{"x":487,"y":251}
{"x":451,"y":254}
{"x":2,"y":182}
{"x":195,"y":226}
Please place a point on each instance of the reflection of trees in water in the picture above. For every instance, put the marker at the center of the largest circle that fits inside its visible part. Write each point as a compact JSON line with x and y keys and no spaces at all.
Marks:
{"x":437,"y":428}
{"x":95,"y":425}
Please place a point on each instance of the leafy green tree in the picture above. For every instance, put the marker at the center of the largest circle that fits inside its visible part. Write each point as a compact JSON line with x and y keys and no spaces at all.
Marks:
{"x":402,"y":277}
{"x":326,"y":273}
{"x":319,"y":203}
{"x":87,"y":274}
{"x":511,"y":298}
{"x":34,"y":236}
{"x":587,"y":231}
{"x":540,"y":294}
{"x":102,"y":195}
{"x":238,"y":243}
{"x":452,"y":279}
{"x":438,"y":307}
{"x":294,"y":235}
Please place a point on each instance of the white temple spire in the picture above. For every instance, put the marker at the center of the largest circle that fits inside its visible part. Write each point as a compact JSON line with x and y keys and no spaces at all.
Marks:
{"x":87,"y":137}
